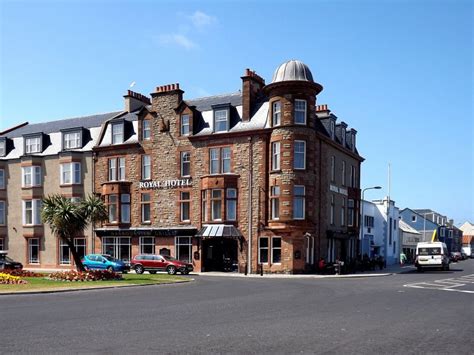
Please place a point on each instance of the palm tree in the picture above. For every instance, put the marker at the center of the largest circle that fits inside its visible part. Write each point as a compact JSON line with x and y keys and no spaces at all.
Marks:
{"x":68,"y":219}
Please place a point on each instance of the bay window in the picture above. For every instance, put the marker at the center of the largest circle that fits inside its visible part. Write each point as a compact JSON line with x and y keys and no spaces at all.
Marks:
{"x":31,"y":176}
{"x":276,"y":113}
{"x":216,"y":204}
{"x":275,"y":155}
{"x":70,"y":173}
{"x":298,"y":202}
{"x":275,"y":202}
{"x":300,"y":112}
{"x":231,"y":204}
{"x":125,"y":208}
{"x":299,"y":161}
{"x":32,"y":212}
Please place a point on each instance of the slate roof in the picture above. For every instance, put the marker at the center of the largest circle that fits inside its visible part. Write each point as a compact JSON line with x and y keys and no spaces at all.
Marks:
{"x":206,"y":103}
{"x":56,"y":126}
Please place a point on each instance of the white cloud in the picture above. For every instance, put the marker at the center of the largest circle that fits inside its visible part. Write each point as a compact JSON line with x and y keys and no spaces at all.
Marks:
{"x":177,"y":39}
{"x":201,"y":20}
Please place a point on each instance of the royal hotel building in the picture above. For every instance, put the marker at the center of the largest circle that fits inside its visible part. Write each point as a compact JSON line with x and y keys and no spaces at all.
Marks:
{"x":260,"y":178}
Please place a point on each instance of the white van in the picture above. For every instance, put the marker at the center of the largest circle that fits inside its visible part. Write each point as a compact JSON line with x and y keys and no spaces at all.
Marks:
{"x":432,"y":255}
{"x":468,"y":252}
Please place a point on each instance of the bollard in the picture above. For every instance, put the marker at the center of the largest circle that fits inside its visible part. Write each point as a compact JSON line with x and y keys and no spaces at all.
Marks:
{"x":245,"y":270}
{"x":261,"y":269}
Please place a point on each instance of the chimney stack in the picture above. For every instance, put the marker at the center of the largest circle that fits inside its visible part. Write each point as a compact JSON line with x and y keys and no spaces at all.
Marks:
{"x":169,"y":95}
{"x":252,"y":85}
{"x":135,"y":100}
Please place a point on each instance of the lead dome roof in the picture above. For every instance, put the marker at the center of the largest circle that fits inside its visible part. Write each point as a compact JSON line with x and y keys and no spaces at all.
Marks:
{"x":292,"y":70}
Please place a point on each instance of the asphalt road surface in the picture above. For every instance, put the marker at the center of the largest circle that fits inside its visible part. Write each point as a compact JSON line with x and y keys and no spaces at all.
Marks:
{"x":430,"y":312}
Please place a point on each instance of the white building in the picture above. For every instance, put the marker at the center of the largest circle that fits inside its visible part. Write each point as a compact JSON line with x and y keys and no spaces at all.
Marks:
{"x":380,"y":231}
{"x":409,"y":238}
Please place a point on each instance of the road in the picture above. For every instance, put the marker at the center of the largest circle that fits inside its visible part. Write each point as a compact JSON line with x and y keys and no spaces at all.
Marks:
{"x":400,"y":314}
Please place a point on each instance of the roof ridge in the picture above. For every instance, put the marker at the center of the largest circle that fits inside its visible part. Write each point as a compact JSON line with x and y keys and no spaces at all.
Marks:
{"x":74,"y":118}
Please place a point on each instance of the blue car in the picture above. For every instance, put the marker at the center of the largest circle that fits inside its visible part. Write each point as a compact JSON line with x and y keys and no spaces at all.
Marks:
{"x":104,"y":262}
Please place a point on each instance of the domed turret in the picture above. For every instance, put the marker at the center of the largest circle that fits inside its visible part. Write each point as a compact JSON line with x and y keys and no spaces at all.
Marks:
{"x":292,"y":70}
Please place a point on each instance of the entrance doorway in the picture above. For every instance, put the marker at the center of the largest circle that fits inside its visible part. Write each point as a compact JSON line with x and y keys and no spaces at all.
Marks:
{"x":219,"y":254}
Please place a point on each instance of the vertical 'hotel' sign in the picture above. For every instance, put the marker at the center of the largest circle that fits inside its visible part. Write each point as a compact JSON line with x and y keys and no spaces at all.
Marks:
{"x":165,"y":184}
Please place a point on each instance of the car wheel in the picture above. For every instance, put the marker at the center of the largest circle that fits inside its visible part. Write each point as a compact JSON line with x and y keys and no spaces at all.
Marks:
{"x":419,"y":269}
{"x":171,"y":270}
{"x":110,"y":269}
{"x":153,"y":272}
{"x":139,"y":269}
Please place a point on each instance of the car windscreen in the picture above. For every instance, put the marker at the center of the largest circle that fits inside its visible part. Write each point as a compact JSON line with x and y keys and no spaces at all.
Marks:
{"x":109,"y":258}
{"x":429,"y":251}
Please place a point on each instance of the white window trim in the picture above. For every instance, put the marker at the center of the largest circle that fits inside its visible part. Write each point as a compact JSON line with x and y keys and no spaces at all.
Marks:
{"x":189,"y":244}
{"x":273,"y":198}
{"x":28,"y":147}
{"x":183,"y":154}
{"x":141,"y":244}
{"x":36,"y":179}
{"x":276,"y":113}
{"x":146,"y":128}
{"x":143,"y":203}
{"x":29,"y":251}
{"x":276,"y":156}
{"x":181,"y":206}
{"x":122,"y":133}
{"x":221,"y":120}
{"x":77,"y":140}
{"x":144,"y":157}
{"x":35,"y":214}
{"x":72,"y":166}
{"x":61,"y":255}
{"x":304,"y":155}
{"x":185,"y":125}
{"x":305,"y":112}
{"x":229,"y":200}
{"x":212,"y":204}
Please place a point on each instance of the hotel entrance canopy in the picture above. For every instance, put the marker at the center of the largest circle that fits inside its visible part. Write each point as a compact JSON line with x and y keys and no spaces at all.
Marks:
{"x":219,"y":230}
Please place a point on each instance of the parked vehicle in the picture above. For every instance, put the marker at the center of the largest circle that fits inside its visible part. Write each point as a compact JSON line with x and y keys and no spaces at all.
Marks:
{"x":468,"y":252}
{"x":456,"y":256}
{"x":104,"y":262}
{"x":153,"y":263}
{"x":7,"y":263}
{"x":432,"y":255}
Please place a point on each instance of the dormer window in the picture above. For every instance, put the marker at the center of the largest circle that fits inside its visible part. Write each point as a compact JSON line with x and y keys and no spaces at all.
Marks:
{"x":117,"y":133}
{"x":333,"y":129}
{"x":221,"y":121}
{"x":185,"y":125}
{"x":33,"y":144}
{"x":146,"y":130}
{"x":300,"y":112}
{"x":72,"y":140}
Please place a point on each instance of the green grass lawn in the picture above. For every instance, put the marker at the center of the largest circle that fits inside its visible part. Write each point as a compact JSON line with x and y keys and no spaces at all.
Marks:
{"x":43,"y":284}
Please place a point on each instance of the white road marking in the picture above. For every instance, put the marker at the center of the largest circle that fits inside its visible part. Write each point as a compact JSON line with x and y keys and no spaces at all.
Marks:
{"x":451,"y":284}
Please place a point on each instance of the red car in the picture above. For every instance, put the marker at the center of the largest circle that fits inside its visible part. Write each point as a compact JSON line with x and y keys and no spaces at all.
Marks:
{"x":154,"y":263}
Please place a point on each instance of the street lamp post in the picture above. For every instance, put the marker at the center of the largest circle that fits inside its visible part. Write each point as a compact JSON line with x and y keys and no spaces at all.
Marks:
{"x":361,"y":222}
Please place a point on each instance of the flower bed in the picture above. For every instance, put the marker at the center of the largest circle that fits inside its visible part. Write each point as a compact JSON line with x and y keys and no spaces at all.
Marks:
{"x":7,"y":279}
{"x":22,"y":273}
{"x":90,"y":275}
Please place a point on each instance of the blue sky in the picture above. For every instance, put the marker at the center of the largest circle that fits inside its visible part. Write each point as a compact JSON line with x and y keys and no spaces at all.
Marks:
{"x":400,"y":72}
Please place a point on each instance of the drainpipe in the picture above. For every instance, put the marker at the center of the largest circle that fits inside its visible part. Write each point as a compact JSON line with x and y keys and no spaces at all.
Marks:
{"x":94,"y":157}
{"x":249,"y":242}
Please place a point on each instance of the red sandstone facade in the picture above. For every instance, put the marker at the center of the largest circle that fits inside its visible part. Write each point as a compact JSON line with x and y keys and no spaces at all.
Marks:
{"x":264,"y":175}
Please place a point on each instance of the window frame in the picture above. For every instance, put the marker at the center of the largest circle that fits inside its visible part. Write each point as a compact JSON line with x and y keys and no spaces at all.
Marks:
{"x":115,"y":205}
{"x":273,"y":248}
{"x":3,"y":148}
{"x":231,"y":201}
{"x":73,"y":171}
{"x":260,"y":248}
{"x":150,"y":241}
{"x":36,"y":205}
{"x":343,"y":173}
{"x":30,"y":247}
{"x":218,"y":156}
{"x":183,"y":155}
{"x":146,"y":128}
{"x":183,"y":203}
{"x":145,"y":166}
{"x":276,"y":156}
{"x":114,"y":134}
{"x":2,"y":179}
{"x":77,"y":140}
{"x":299,"y":197}
{"x":35,"y":172}
{"x":216,"y":202}
{"x":333,"y":168}
{"x":343,"y":212}
{"x":276,"y":113}
{"x":125,"y":208}
{"x":188,"y":243}
{"x":275,"y":202}
{"x":185,"y":132}
{"x":3,"y":214}
{"x":38,"y":144}
{"x":298,"y":141}
{"x":296,"y":109}
{"x":220,"y":120}
{"x":143,"y":204}
{"x":332,"y":210}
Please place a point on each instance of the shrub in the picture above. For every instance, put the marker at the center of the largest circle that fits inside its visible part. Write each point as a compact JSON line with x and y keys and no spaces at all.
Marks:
{"x":22,"y":273}
{"x":90,"y":275}
{"x":7,"y":279}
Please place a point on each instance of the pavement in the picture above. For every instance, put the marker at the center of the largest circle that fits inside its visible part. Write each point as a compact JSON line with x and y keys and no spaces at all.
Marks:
{"x":390,"y":270}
